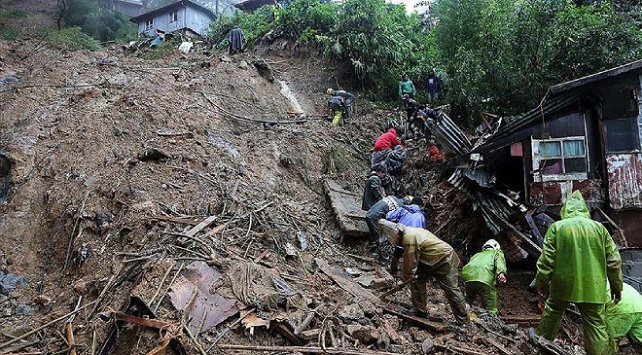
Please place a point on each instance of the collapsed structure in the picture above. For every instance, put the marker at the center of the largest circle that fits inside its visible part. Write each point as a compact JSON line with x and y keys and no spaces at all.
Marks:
{"x":585,"y":135}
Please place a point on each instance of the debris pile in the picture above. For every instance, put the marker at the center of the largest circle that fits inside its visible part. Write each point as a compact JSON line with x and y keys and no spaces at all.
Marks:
{"x":177,"y":206}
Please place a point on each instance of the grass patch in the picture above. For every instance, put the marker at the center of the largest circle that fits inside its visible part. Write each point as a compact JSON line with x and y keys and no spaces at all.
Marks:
{"x":166,"y":49}
{"x":72,"y":38}
{"x":8,"y":32}
{"x":339,"y":158}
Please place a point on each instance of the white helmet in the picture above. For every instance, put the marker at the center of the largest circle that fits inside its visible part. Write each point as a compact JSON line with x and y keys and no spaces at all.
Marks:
{"x":492,"y":244}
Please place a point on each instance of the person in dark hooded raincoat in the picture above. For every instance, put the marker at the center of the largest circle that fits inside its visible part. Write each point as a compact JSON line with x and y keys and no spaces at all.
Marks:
{"x":236,"y":40}
{"x":578,"y":257}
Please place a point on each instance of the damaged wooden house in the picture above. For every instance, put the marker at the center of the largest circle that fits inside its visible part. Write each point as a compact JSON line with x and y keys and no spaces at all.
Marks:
{"x":586,"y":135}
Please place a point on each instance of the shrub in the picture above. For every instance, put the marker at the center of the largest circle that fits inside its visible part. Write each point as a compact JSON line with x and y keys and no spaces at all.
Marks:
{"x":104,"y":25}
{"x":7,"y":31}
{"x":72,"y":38}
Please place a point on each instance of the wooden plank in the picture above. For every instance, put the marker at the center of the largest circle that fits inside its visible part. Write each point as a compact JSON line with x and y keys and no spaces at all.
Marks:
{"x":434,"y":326}
{"x":367,"y":300}
{"x":199,"y":227}
{"x":347,"y":208}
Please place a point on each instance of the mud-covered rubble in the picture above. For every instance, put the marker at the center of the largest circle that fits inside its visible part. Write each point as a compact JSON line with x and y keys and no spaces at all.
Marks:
{"x":189,"y":192}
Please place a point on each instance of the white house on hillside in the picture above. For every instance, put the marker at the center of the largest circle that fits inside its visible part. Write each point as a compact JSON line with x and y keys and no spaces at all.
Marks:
{"x":183,"y":15}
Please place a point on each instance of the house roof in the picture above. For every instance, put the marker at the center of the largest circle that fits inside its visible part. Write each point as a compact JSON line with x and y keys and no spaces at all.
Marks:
{"x":171,"y":6}
{"x":133,"y":2}
{"x":556,"y":89}
{"x":555,"y":101}
{"x":251,"y":5}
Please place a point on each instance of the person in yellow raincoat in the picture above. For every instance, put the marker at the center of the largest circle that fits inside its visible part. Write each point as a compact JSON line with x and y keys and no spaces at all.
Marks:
{"x":426,"y":256}
{"x":482,"y":273}
{"x":578,"y":256}
{"x":625,"y":318}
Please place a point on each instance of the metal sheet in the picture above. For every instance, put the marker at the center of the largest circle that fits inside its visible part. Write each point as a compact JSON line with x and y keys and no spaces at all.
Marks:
{"x":551,"y":192}
{"x":190,"y":293}
{"x":625,"y":180}
{"x":631,"y":222}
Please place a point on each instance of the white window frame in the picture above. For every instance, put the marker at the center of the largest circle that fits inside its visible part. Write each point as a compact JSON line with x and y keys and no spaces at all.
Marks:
{"x":538,"y":176}
{"x":173,"y":16}
{"x":149,"y":24}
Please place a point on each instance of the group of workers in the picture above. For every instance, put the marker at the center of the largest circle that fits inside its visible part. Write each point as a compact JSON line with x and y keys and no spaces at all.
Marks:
{"x":432,"y":86}
{"x":579,"y":264}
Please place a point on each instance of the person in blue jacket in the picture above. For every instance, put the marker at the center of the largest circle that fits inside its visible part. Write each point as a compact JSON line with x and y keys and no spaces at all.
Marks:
{"x":411,"y":215}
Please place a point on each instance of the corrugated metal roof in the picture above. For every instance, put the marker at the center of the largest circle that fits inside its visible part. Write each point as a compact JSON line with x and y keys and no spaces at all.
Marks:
{"x":451,"y":135}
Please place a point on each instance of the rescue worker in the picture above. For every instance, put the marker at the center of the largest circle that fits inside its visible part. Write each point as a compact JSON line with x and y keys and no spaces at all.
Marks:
{"x":625,"y":318}
{"x":383,"y":146}
{"x":341,"y":104}
{"x":236,"y":40}
{"x":406,"y":87}
{"x":433,"y":87}
{"x":425,"y":256}
{"x":578,"y":256}
{"x":482,"y":273}
{"x":374,"y":190}
{"x":411,"y":215}
{"x":377,"y":212}
{"x":434,"y":153}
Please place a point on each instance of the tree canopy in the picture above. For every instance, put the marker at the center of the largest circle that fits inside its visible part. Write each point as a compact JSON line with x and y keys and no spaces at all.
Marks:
{"x":499,"y":55}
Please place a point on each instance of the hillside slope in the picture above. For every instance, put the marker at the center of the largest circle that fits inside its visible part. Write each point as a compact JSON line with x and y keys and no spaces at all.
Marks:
{"x":115,"y":162}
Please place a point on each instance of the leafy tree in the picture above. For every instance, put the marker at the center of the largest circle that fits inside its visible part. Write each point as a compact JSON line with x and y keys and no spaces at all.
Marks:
{"x":102,"y":24}
{"x":502,"y":55}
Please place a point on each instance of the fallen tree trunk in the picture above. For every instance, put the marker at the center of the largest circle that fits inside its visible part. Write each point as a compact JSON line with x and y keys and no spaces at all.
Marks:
{"x":302,"y":349}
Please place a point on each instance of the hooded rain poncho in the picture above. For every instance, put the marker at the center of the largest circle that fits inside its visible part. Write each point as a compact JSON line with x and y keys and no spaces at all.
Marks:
{"x":578,"y":257}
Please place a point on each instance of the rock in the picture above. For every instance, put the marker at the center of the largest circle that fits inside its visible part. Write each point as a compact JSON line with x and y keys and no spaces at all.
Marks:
{"x":353,"y":271}
{"x":154,"y":154}
{"x":7,"y":80}
{"x":43,"y":300}
{"x":23,"y":309}
{"x":365,"y":334}
{"x":427,"y":346}
{"x":264,"y":69}
{"x":418,"y":334}
{"x":290,"y":250}
{"x":243,"y":65}
{"x":382,"y":282}
{"x":350,"y":312}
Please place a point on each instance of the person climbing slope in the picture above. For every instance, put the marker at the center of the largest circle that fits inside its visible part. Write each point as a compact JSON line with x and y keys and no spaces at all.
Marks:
{"x":383,"y":146}
{"x":341,"y":105}
{"x":374,"y":190}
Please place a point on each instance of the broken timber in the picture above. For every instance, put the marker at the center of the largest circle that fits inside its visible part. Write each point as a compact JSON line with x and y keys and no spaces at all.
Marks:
{"x":367,"y":300}
{"x":434,"y":326}
{"x":346,"y":206}
{"x":302,"y":349}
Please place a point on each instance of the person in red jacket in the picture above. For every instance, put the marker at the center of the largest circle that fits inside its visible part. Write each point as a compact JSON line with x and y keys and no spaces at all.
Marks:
{"x":383,"y":146}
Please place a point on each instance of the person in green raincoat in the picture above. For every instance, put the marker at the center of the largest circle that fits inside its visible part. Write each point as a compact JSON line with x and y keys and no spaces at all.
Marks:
{"x":578,"y":257}
{"x":625,"y":318}
{"x":482,"y":273}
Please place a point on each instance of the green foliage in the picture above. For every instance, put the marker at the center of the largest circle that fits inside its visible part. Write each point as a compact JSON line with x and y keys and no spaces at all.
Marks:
{"x":103,"y":25}
{"x":380,"y":40}
{"x":254,"y":25}
{"x":108,"y":25}
{"x":164,"y":50}
{"x":7,"y":31}
{"x":72,"y":38}
{"x":502,"y":55}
